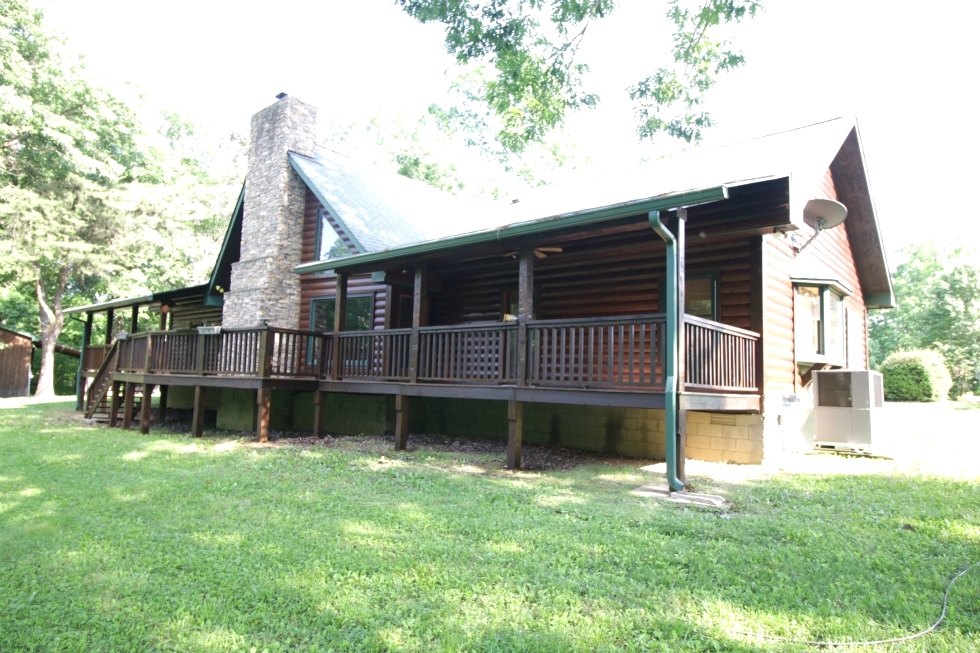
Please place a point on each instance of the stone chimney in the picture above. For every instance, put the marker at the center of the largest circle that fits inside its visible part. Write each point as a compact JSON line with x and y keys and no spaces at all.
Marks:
{"x":263,"y":284}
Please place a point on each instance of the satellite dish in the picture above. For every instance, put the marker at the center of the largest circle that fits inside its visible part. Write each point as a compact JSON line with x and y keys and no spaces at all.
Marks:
{"x":824,"y":214}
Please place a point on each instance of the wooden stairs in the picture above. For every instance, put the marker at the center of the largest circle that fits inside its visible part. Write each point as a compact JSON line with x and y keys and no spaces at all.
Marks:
{"x":101,"y":411}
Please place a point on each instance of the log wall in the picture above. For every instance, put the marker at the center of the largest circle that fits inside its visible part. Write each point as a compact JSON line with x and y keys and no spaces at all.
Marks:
{"x":830,"y":255}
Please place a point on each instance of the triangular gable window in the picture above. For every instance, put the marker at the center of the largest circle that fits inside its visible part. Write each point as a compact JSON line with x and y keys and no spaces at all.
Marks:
{"x":330,"y":244}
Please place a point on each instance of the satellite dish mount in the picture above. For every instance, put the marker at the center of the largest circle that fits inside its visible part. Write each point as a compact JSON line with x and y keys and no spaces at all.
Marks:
{"x":821,"y":214}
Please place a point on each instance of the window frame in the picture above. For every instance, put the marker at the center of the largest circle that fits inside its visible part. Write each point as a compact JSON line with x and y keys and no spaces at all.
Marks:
{"x":333,"y":298}
{"x":321,"y":218}
{"x":825,"y":288}
{"x":310,"y":358}
{"x":713,"y":276}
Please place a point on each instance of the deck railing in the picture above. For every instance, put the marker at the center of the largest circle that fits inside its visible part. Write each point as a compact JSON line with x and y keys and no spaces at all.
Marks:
{"x":720,"y":358}
{"x":94,"y":355}
{"x":599,"y":352}
{"x":377,"y":355}
{"x":469,"y":353}
{"x":615,"y":353}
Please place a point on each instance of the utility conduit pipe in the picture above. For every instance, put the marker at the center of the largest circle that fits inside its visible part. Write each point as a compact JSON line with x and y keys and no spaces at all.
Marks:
{"x":670,"y":392}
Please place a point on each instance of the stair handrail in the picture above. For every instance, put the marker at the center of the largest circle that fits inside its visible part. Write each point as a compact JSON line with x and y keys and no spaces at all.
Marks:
{"x":98,"y":390}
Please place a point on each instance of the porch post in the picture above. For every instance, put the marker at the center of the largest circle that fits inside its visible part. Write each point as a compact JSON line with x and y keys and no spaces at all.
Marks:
{"x":79,"y":378}
{"x":164,"y":311}
{"x":401,"y":421}
{"x":525,"y":302}
{"x":515,"y":433}
{"x":128,"y":405}
{"x":134,"y":321}
{"x":110,"y":317}
{"x":145,"y":406}
{"x":757,"y":286}
{"x":680,"y":235}
{"x":339,"y":321}
{"x":319,"y":413}
{"x":200,"y":399}
{"x":419,"y":310}
{"x":263,"y":400}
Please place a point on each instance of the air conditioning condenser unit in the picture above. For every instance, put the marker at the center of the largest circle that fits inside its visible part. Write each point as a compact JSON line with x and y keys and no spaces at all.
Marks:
{"x":847,"y":409}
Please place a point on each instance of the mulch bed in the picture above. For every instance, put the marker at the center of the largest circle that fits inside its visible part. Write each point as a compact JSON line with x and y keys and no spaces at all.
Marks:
{"x":533,"y":457}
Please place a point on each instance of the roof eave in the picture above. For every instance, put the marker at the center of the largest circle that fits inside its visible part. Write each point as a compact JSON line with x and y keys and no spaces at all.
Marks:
{"x":540,"y":225}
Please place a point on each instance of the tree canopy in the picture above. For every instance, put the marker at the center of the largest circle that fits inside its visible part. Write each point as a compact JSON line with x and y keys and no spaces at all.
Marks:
{"x":938,"y":293}
{"x":536,"y":79}
{"x":76,"y":166}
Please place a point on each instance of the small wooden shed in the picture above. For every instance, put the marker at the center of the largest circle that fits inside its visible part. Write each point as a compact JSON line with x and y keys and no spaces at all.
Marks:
{"x":16,"y":351}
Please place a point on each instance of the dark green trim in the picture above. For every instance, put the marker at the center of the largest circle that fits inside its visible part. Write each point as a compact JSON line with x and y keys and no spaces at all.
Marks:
{"x":336,"y":216}
{"x":542,"y":225}
{"x":880,"y":300}
{"x":210,"y":299}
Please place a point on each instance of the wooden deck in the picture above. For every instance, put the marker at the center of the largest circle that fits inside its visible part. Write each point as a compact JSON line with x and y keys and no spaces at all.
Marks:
{"x":615,"y":361}
{"x":621,"y":354}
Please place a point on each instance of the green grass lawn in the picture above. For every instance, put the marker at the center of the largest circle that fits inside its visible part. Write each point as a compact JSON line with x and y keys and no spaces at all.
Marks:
{"x":114,"y":541}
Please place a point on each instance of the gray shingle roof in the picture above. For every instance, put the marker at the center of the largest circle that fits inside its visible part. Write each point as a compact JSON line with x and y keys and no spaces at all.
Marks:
{"x":378,"y":209}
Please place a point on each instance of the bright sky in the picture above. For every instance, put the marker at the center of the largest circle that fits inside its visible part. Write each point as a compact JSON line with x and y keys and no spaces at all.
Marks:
{"x":902,"y":69}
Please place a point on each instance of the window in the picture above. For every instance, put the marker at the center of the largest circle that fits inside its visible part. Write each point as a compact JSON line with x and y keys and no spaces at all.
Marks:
{"x":329,"y":244}
{"x":699,"y":297}
{"x":360,"y":313}
{"x":819,"y":324}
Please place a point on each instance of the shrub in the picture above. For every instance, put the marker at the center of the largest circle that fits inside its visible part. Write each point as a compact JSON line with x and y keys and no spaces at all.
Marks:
{"x":915,"y":376}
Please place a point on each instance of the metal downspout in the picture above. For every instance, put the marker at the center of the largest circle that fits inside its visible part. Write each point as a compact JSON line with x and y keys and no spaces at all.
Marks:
{"x":670,"y":399}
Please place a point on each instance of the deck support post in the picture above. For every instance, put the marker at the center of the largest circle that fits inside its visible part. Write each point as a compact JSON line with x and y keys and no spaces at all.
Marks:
{"x":145,"y":407}
{"x":263,"y":400}
{"x":164,"y":311}
{"x":134,"y":321}
{"x":319,"y":413}
{"x":200,"y":400}
{"x":128,"y":402}
{"x":79,"y":379}
{"x":525,"y":302}
{"x":339,"y":322}
{"x":419,"y":311}
{"x":401,"y":422}
{"x":515,"y":433}
{"x":114,"y":404}
{"x":164,"y":391}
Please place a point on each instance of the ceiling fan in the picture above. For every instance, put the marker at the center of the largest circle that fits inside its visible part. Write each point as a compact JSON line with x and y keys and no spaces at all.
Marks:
{"x":539,"y":252}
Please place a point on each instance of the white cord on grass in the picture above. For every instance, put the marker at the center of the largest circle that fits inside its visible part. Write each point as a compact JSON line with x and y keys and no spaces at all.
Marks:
{"x":893,"y":640}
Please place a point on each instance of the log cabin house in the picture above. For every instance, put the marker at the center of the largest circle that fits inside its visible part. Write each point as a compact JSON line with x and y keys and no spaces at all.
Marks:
{"x":668,"y":312}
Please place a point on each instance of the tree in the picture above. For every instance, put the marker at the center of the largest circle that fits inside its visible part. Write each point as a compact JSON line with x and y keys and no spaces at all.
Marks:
{"x":938,"y":293}
{"x":532,"y":45}
{"x":75,"y":168}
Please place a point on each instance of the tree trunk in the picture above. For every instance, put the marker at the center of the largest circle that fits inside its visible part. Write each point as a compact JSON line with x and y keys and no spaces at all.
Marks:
{"x":52,"y":321}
